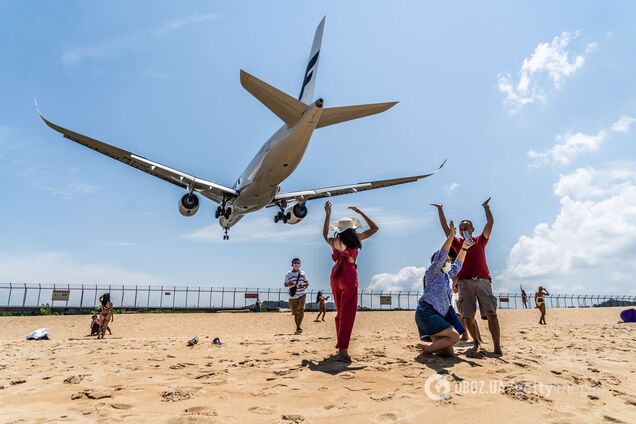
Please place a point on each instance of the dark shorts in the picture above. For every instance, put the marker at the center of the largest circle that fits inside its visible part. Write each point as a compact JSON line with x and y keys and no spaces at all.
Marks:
{"x":430,"y":322}
{"x":298,"y":304}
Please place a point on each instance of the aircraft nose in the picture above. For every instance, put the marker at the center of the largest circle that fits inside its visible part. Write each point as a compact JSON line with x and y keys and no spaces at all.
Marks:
{"x":319,"y":102}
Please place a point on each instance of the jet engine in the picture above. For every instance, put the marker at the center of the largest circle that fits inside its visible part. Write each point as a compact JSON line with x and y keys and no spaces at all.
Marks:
{"x":296,"y":213}
{"x":189,"y":204}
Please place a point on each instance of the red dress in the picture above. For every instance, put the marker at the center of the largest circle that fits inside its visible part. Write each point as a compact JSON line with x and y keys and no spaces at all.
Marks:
{"x":344,"y":285}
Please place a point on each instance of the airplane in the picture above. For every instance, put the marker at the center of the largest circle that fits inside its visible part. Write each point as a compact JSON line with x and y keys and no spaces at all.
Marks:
{"x":258,"y":186}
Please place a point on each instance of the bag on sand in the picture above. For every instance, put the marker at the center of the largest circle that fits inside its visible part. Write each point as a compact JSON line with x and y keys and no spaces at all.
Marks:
{"x":39,"y":334}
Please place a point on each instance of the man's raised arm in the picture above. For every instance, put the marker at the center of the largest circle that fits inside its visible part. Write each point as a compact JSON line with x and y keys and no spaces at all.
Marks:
{"x":489,"y":219}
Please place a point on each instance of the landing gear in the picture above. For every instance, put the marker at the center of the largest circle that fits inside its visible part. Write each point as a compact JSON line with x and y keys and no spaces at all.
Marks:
{"x":225,"y":235}
{"x":223,"y":211}
{"x":281,"y":215}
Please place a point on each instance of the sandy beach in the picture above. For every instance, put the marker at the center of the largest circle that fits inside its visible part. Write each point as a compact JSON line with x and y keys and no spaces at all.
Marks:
{"x":578,"y":368}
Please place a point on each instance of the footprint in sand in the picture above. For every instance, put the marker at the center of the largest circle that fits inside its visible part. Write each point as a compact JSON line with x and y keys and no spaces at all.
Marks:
{"x":122,"y":406}
{"x":200,"y":410}
{"x":262,"y":410}
{"x":387,"y":417}
{"x":179,"y":394}
{"x":292,"y":418}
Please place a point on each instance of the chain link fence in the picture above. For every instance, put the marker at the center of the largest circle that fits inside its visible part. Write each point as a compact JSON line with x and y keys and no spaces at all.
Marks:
{"x":19,"y":297}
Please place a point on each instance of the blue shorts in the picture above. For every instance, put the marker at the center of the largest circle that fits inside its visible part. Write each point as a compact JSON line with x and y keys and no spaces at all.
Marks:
{"x":430,"y":322}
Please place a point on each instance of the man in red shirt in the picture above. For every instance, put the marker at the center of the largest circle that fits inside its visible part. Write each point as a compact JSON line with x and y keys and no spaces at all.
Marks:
{"x":475,"y":282}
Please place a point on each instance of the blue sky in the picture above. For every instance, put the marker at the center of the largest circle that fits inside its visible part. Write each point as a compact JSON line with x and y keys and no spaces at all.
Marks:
{"x":530,"y":102}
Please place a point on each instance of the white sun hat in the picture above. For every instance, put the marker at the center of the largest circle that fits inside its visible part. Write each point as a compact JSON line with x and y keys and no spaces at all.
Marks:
{"x":346,"y":223}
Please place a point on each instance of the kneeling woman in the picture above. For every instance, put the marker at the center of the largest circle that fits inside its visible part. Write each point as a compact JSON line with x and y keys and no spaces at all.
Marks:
{"x":435,"y":317}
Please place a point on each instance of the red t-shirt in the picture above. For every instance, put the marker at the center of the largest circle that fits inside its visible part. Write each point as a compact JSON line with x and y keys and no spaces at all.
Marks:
{"x":475,"y":265}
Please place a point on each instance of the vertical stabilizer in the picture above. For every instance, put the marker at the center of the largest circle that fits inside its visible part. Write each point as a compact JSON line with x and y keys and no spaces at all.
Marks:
{"x":309,"y":81}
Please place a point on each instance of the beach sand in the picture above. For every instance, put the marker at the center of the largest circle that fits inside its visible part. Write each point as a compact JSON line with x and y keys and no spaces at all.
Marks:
{"x":579,"y":368}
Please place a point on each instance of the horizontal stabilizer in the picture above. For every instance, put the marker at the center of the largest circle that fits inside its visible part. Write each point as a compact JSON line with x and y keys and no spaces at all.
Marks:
{"x":336,"y":115}
{"x":283,"y":105}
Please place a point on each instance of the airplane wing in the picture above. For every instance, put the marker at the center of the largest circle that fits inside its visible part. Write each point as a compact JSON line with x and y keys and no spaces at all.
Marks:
{"x":212,"y":191}
{"x":303,"y":196}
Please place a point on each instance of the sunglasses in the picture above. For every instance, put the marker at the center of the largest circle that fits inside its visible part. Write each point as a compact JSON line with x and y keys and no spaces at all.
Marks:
{"x":295,"y":263}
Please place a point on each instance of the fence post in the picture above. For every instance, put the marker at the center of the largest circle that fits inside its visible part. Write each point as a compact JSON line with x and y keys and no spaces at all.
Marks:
{"x":222,"y":296}
{"x":10,"y":289}
{"x":234,"y":299}
{"x":95,"y":297}
{"x":82,"y":298}
{"x":52,"y":301}
{"x":39,"y":292}
{"x":24,"y":298}
{"x":210,"y":298}
{"x":199,"y":298}
{"x":174,"y":295}
{"x":135,"y":305}
{"x":186,"y":301}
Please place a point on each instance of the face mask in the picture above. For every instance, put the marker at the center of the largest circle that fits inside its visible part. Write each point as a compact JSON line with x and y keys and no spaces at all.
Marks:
{"x":447,"y":267}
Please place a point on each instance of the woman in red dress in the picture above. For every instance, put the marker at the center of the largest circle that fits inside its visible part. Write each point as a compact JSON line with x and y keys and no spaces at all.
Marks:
{"x":345,"y":246}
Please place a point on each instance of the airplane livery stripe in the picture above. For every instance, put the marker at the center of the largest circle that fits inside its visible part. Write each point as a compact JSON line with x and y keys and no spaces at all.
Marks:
{"x":308,"y":74}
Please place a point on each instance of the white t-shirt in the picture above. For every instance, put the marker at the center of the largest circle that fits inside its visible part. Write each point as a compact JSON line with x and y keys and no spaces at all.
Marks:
{"x":292,"y":276}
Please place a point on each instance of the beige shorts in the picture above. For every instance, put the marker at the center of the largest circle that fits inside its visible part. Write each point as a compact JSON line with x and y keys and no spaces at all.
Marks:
{"x":476,"y":291}
{"x":297,"y":305}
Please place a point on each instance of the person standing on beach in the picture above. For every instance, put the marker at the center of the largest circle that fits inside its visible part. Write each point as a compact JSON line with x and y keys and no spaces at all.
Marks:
{"x":539,"y":300}
{"x":320,"y":300}
{"x":297,"y":282}
{"x":435,"y":316}
{"x":524,"y":298}
{"x":345,"y":246}
{"x":105,"y":315}
{"x":475,"y":282}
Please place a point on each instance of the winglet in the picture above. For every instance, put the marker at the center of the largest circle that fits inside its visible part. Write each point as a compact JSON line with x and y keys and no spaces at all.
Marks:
{"x":442,"y":165}
{"x":35,"y":100}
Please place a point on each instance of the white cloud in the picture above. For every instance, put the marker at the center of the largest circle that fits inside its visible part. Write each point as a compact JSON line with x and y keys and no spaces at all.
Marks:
{"x":260,"y":227}
{"x":451,"y":187}
{"x":62,"y":268}
{"x":623,"y":124}
{"x":71,"y":190}
{"x":567,"y":147}
{"x":110,"y":48}
{"x":550,"y":64}
{"x":408,"y":278}
{"x":591,"y":239}
{"x":571,"y":145}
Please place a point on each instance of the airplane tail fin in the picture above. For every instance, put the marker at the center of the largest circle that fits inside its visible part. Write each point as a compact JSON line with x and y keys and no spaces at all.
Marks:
{"x":336,"y":115}
{"x":283,"y":105}
{"x":309,"y":80}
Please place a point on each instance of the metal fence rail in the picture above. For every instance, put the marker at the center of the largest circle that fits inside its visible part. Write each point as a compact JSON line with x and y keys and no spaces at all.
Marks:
{"x":17,"y":296}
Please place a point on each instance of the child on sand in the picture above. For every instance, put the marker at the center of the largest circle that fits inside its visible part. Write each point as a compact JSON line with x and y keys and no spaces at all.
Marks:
{"x":435,"y":316}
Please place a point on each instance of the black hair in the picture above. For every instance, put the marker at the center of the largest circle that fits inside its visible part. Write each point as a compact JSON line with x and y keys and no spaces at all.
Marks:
{"x":451,"y":254}
{"x":467,"y":220}
{"x":104,"y":299}
{"x":94,"y":316}
{"x":318,"y":296}
{"x":349,"y":238}
{"x":295,"y":260}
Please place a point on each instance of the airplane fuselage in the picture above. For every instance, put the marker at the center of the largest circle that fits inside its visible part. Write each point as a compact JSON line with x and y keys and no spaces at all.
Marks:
{"x":274,"y":163}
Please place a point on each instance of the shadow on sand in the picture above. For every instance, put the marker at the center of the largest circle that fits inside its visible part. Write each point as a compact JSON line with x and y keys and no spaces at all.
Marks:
{"x":330,"y":366}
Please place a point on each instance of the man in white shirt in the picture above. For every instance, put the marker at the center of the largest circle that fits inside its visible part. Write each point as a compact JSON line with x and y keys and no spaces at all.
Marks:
{"x":297,"y":282}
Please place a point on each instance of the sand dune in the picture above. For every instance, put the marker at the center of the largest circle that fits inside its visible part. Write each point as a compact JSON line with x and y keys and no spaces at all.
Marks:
{"x":579,"y":368}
